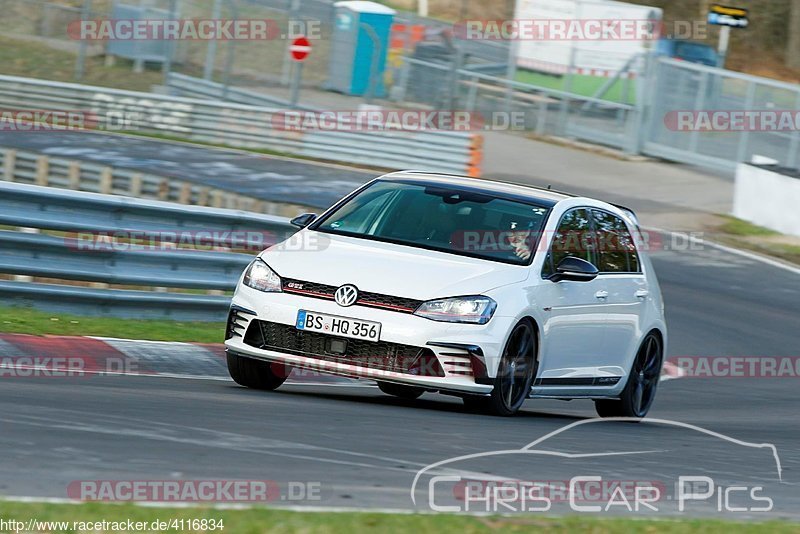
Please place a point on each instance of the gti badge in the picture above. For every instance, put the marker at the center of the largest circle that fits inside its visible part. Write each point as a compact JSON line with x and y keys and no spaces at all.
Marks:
{"x":346,"y":295}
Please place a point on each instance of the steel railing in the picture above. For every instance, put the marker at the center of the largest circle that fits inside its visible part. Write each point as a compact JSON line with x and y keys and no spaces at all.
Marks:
{"x":40,"y":169}
{"x":88,"y":239}
{"x":248,"y":126}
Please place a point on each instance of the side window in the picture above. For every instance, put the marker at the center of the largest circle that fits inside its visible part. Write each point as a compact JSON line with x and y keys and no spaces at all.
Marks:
{"x":573,"y":237}
{"x":615,"y":246}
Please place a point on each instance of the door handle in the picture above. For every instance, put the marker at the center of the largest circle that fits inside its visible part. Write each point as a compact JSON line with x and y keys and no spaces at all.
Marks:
{"x":641,"y":293}
{"x":601,"y":295}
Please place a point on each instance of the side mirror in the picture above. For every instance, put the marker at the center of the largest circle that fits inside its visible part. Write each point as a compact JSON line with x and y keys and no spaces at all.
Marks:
{"x":301,"y":221}
{"x":574,"y":269}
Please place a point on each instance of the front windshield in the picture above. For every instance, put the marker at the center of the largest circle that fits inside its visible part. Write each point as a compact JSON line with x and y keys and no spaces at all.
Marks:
{"x":443,"y":218}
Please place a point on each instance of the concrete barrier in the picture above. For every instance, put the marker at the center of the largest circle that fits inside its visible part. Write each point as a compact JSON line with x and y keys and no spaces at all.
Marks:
{"x":769,"y":196}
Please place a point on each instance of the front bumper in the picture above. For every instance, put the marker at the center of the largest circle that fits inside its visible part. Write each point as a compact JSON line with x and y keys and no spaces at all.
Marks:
{"x":468,"y":354}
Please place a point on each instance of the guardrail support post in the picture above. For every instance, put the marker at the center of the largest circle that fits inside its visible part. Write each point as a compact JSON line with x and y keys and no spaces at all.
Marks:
{"x":186,"y":194}
{"x":25,"y":277}
{"x":472,"y":94}
{"x":135,"y":189}
{"x":202,"y":197}
{"x":541,"y":117}
{"x":74,"y":175}
{"x":106,"y":178}
{"x":42,"y":170}
{"x":163,"y":190}
{"x":9,"y":164}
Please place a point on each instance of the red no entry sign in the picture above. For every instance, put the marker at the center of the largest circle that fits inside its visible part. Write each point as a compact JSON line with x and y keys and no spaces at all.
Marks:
{"x":300,"y":49}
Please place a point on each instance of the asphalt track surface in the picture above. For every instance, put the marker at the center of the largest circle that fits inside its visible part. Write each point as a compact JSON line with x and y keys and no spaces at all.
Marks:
{"x":365,"y":448}
{"x":263,"y":177}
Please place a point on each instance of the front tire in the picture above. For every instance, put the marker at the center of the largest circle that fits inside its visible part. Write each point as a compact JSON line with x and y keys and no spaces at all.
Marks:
{"x":400,"y":390}
{"x":514,"y":376}
{"x":640,"y":391}
{"x":256,"y":374}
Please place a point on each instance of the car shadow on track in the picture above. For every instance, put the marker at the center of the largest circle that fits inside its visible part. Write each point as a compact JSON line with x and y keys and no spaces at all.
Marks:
{"x":441,"y":403}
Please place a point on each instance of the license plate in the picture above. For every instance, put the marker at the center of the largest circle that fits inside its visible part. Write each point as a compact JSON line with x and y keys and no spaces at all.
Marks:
{"x":338,"y":326}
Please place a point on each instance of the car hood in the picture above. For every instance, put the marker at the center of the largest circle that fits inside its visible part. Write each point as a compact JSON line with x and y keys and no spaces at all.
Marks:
{"x":386,"y":268}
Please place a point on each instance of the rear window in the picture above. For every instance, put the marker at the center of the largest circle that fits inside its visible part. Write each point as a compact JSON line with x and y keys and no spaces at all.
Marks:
{"x":616,"y":250}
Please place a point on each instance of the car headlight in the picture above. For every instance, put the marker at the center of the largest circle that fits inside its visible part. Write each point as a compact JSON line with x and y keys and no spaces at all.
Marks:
{"x":477,"y":310}
{"x":259,"y":276}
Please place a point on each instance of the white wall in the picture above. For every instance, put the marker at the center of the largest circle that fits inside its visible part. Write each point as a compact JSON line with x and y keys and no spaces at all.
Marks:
{"x":767,"y":198}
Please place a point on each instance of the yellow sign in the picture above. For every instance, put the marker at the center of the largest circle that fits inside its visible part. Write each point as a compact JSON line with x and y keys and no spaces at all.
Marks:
{"x":730,"y":11}
{"x":733,"y":17}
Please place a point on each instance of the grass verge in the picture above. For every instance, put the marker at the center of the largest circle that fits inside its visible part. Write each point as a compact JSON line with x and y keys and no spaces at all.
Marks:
{"x":742,"y":234}
{"x":582,"y":85}
{"x":37,"y":60}
{"x":257,"y":520}
{"x":735,"y":226}
{"x":19,"y":320}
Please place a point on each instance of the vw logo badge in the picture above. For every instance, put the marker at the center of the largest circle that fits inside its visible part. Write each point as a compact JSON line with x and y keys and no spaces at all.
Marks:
{"x":346,"y":295}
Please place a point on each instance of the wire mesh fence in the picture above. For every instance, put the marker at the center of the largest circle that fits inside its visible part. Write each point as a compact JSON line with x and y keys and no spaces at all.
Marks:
{"x":717,"y":118}
{"x":637,"y":110}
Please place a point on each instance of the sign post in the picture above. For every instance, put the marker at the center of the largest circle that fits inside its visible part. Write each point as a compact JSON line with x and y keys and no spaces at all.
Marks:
{"x":727,"y":17}
{"x":299,"y":50}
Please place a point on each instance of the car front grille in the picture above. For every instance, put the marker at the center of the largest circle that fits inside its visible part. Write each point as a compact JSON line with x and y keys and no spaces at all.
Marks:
{"x":381,"y":355}
{"x":372,"y":300}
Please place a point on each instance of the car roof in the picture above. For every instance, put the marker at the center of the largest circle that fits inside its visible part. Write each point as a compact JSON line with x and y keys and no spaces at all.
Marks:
{"x":543,"y":196}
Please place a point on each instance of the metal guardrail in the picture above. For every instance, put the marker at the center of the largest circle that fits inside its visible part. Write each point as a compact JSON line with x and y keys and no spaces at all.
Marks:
{"x":546,"y":111}
{"x":74,"y":258}
{"x":193,"y":87}
{"x":681,"y":87}
{"x":116,"y":302}
{"x":79,"y":255}
{"x":248,"y":126}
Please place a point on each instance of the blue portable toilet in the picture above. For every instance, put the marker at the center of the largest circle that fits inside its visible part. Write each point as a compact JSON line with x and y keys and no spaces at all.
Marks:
{"x":359,"y":45}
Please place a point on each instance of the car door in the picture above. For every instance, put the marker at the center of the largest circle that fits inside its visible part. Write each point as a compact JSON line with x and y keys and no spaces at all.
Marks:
{"x":623,"y":279}
{"x":574,"y":312}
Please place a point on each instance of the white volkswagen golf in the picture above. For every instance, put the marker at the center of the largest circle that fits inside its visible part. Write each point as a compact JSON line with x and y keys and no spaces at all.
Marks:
{"x":490,"y":291}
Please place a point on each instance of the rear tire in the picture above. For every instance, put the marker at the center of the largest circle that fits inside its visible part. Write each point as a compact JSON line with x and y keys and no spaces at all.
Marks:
{"x":400,"y":390}
{"x":256,"y":374}
{"x":515,"y":375}
{"x":640,"y":390}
